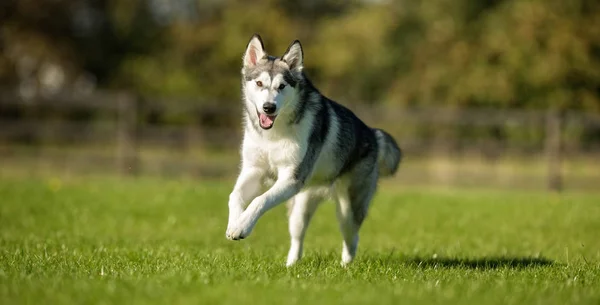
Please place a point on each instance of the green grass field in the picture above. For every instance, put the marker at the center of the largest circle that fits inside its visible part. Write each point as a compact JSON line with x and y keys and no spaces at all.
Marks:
{"x":151,"y":241}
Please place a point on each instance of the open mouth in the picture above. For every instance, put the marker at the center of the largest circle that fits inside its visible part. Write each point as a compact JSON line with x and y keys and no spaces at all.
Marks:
{"x":266,"y":121}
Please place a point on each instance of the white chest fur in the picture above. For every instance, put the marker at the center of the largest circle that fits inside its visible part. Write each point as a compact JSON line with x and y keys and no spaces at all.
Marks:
{"x":278,"y":148}
{"x":274,"y":150}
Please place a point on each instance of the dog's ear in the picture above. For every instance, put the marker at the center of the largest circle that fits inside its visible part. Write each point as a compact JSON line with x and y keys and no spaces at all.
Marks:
{"x":254,"y":51}
{"x":294,"y":57}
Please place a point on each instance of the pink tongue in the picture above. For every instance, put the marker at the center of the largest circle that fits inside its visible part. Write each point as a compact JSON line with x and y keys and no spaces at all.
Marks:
{"x":266,"y":121}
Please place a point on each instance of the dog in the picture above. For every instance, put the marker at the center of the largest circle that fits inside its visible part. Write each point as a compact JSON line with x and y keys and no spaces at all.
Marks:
{"x":305,"y":148}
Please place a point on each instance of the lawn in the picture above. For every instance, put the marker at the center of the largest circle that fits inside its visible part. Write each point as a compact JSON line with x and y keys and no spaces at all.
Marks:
{"x":153,"y":241}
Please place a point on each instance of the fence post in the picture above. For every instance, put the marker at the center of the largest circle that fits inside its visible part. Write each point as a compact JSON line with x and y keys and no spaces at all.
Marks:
{"x":554,"y":149}
{"x":127,"y":134}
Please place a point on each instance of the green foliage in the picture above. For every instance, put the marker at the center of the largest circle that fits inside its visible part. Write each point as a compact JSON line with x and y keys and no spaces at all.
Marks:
{"x":509,"y":54}
{"x":155,"y":241}
{"x":495,"y":53}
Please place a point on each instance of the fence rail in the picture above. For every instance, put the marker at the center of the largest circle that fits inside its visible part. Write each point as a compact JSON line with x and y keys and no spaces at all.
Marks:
{"x":123,"y":124}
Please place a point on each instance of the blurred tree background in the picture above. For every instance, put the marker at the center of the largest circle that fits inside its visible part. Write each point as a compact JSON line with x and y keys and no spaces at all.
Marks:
{"x":153,"y":86}
{"x":459,"y":53}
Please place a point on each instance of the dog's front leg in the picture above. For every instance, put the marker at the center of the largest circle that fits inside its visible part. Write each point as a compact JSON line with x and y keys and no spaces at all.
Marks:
{"x":246,"y":188}
{"x":286,"y":186}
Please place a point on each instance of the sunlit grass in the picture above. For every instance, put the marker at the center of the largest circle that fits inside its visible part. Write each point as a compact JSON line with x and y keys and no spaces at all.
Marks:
{"x":154,"y":241}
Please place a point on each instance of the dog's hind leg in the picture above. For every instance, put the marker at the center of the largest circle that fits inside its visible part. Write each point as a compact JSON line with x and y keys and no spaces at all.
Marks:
{"x":302,"y":207}
{"x":353,"y":199}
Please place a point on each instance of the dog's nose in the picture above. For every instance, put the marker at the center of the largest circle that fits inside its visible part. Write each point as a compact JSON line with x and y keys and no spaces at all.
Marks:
{"x":269,"y":108}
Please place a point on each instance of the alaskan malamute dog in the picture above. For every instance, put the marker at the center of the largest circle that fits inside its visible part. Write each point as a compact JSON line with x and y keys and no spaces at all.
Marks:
{"x":306,"y":148}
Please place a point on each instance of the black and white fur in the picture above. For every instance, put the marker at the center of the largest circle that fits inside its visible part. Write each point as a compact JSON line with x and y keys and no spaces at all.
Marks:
{"x":307,"y":148}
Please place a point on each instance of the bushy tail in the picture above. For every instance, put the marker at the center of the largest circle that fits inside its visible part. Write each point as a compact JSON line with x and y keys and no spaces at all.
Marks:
{"x":389,"y":154}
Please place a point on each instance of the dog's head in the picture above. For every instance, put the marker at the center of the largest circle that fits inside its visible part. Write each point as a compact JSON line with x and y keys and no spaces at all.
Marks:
{"x":270,"y":84}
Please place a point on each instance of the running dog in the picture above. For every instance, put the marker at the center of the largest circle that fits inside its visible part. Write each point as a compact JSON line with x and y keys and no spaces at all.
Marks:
{"x":305,"y":148}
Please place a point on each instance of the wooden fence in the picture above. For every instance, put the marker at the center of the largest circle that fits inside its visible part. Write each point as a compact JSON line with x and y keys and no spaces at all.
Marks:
{"x":122,"y":119}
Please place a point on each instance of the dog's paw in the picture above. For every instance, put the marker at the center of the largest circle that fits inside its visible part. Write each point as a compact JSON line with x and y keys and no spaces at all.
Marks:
{"x":238,"y":233}
{"x":229,"y":233}
{"x":291,"y":260}
{"x":235,"y":233}
{"x":294,"y":254}
{"x":346,"y":259}
{"x":240,"y":230}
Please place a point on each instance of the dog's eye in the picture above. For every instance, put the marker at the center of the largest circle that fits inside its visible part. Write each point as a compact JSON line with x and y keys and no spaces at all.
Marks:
{"x":259,"y":83}
{"x":281,"y":86}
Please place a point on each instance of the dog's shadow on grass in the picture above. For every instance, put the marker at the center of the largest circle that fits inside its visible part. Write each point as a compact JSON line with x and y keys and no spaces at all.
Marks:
{"x":492,"y":262}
